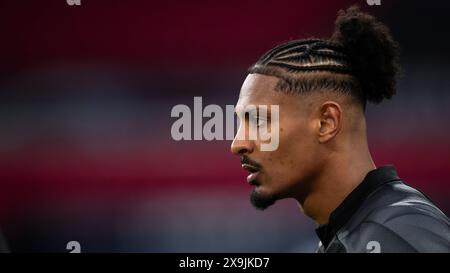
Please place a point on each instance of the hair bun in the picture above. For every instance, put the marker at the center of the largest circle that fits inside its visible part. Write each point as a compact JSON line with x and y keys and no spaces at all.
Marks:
{"x":372,"y":51}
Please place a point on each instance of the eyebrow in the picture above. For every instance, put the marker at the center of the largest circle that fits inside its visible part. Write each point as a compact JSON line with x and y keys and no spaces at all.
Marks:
{"x":254,"y":109}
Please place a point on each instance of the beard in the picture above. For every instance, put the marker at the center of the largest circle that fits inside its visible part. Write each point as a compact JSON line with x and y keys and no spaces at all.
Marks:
{"x":261,"y":201}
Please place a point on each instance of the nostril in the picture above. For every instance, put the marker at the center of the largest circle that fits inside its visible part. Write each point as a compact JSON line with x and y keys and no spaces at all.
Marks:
{"x":238,"y":150}
{"x":242,"y":151}
{"x":239,"y":147}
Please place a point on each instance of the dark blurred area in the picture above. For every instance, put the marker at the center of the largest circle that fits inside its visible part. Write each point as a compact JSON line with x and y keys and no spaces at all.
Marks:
{"x":86,"y":93}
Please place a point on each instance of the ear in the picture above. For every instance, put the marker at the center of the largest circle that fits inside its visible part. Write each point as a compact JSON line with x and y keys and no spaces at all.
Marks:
{"x":330,"y":121}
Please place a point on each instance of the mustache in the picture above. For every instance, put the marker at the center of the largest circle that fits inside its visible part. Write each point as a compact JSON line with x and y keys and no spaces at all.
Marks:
{"x":246,"y":160}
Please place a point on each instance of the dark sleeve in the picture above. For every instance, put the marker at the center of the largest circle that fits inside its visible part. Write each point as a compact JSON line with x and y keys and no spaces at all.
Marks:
{"x":407,"y":233}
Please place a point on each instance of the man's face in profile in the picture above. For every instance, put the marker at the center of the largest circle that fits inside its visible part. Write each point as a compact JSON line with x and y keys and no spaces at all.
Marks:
{"x":283,"y":172}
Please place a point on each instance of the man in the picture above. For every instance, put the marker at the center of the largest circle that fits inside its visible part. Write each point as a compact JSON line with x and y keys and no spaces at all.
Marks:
{"x":323,"y":160}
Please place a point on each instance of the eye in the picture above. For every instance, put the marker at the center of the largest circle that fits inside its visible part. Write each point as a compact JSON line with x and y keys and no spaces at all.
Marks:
{"x":260,"y":122}
{"x":257,"y":120}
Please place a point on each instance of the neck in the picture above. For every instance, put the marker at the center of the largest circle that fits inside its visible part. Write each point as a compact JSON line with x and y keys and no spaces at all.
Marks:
{"x":344,"y":172}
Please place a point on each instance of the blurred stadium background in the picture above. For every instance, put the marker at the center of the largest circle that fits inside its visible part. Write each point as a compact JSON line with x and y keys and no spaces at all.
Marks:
{"x":85,"y":99}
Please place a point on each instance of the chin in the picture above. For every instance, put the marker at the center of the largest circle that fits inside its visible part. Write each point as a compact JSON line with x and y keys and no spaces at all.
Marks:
{"x":260,"y":199}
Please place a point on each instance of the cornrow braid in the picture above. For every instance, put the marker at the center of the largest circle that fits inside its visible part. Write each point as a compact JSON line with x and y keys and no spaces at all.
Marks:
{"x":302,"y":66}
{"x":279,"y":49}
{"x":307,"y":55}
{"x":361,"y":59}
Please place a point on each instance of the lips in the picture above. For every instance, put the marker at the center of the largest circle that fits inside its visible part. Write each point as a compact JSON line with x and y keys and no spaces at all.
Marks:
{"x":250,"y":168}
{"x":251,"y":179}
{"x":254,"y":171}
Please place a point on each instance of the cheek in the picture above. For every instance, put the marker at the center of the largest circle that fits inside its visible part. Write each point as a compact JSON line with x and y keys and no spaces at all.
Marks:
{"x":295,"y":152}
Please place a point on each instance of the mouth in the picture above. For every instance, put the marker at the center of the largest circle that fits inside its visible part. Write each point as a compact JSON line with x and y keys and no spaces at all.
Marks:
{"x":254,"y":172}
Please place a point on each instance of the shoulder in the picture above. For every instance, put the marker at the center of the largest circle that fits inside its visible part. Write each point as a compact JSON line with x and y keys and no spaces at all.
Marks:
{"x":408,"y":231}
{"x":398,"y":218}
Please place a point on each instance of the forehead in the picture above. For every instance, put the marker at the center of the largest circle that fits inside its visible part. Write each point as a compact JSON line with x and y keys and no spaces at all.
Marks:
{"x":259,"y":89}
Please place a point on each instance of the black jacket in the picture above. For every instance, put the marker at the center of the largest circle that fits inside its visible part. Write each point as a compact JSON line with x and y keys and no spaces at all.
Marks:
{"x":383,"y":214}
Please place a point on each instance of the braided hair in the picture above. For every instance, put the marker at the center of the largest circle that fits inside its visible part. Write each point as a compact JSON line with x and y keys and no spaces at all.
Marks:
{"x":360,"y":59}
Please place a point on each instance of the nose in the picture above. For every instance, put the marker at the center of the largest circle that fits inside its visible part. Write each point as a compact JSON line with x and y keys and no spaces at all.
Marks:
{"x":241,"y":144}
{"x":240,"y":147}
